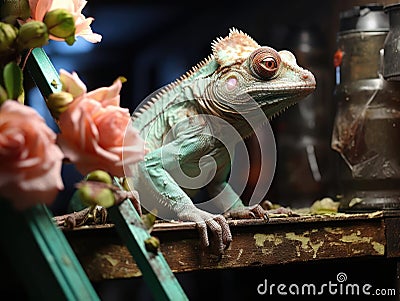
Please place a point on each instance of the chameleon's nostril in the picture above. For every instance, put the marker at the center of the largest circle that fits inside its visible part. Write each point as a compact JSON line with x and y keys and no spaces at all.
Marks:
{"x":305,"y":76}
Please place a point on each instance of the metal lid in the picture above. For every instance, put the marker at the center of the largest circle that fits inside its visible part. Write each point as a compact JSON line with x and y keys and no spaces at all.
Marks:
{"x":369,"y":17}
{"x":391,"y":6}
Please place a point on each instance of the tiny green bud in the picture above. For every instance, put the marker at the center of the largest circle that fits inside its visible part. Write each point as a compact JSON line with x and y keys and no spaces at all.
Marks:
{"x":8,"y":35}
{"x":152,"y":244}
{"x":149,"y":220}
{"x":85,"y":193}
{"x":105,"y":198}
{"x":31,"y":35}
{"x":99,"y":176}
{"x":122,"y":79}
{"x":61,"y":24}
{"x":92,"y":195}
{"x":58,"y":103}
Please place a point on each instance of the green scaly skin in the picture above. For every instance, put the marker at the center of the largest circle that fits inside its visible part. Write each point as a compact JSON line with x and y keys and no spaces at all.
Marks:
{"x":178,"y":133}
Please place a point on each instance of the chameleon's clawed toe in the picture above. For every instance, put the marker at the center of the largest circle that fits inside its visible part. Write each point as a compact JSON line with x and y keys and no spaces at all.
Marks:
{"x":216,"y":225}
{"x":96,"y":215}
{"x":252,"y":212}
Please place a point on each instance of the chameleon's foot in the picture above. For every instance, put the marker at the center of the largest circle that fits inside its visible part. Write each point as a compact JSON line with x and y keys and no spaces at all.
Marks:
{"x":273,"y":209}
{"x":217,"y":224}
{"x":257,"y":211}
{"x":248,"y":213}
{"x":96,"y":215}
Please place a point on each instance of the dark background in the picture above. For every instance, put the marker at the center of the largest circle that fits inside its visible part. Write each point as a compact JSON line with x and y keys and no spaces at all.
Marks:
{"x":153,"y":43}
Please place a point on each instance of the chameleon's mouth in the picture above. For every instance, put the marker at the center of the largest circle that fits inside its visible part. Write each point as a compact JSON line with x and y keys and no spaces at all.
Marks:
{"x":274,"y":101}
{"x":271,"y":96}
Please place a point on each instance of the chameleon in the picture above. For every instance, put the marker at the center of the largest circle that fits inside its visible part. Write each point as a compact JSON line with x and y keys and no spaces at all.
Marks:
{"x":182,"y":124}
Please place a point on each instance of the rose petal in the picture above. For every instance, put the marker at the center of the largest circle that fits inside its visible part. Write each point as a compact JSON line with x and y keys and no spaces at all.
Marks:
{"x":93,"y":130}
{"x":30,"y":172}
{"x":107,"y":95}
{"x":71,"y":83}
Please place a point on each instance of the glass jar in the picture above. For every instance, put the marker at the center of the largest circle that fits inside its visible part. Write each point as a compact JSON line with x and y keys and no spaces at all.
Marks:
{"x":366,"y":130}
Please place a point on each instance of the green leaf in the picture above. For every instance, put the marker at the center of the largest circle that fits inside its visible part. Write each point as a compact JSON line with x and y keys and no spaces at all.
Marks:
{"x":3,"y":95}
{"x":13,"y":77}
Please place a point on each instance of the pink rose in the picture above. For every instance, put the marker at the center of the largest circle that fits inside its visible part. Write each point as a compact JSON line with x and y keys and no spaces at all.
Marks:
{"x":30,"y":169}
{"x":39,"y":8}
{"x":72,"y":84}
{"x":98,"y":134}
{"x":107,"y":96}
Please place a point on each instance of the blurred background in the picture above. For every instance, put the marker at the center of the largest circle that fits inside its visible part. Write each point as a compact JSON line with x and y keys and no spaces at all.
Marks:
{"x":153,"y":43}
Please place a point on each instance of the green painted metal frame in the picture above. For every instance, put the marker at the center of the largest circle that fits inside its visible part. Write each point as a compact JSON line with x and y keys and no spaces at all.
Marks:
{"x":155,"y":269}
{"x":128,"y":223}
{"x":38,"y":250}
{"x":43,"y":72}
{"x":41,"y":256}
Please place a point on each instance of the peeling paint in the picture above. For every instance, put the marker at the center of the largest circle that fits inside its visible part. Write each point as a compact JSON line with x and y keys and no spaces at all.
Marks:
{"x":356,"y":238}
{"x":304,"y":238}
{"x":355,"y":251}
{"x":135,"y":274}
{"x":111,"y":260}
{"x":306,"y":244}
{"x":262,"y":238}
{"x":378,"y":247}
{"x":240,"y":254}
{"x":315,"y":247}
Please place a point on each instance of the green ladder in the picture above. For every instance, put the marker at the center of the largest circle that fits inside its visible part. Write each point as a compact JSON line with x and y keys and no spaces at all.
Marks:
{"x":32,"y":238}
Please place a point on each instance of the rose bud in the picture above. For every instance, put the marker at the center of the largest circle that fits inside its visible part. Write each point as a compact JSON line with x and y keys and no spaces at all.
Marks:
{"x":152,"y":244}
{"x":92,"y":194}
{"x":8,"y":34}
{"x":58,"y":103}
{"x":31,"y":35}
{"x":99,"y":176}
{"x":61,"y":24}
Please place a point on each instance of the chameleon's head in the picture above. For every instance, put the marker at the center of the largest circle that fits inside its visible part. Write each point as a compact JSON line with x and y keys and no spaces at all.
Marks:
{"x":273,"y":79}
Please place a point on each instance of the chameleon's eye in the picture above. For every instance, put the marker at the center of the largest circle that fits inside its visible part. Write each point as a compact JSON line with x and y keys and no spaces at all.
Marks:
{"x":264,"y":62}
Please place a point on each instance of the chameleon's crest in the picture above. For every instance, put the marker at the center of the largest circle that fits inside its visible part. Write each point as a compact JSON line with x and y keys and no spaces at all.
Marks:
{"x":234,"y":48}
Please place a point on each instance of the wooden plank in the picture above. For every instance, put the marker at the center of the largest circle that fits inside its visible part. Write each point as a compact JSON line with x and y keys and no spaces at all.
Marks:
{"x":255,"y":243}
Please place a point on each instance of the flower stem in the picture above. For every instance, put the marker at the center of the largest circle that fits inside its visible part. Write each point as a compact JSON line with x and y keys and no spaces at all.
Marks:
{"x":26,"y":58}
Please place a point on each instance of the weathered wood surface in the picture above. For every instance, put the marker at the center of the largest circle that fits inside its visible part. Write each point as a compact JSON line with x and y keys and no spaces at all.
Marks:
{"x":255,"y":243}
